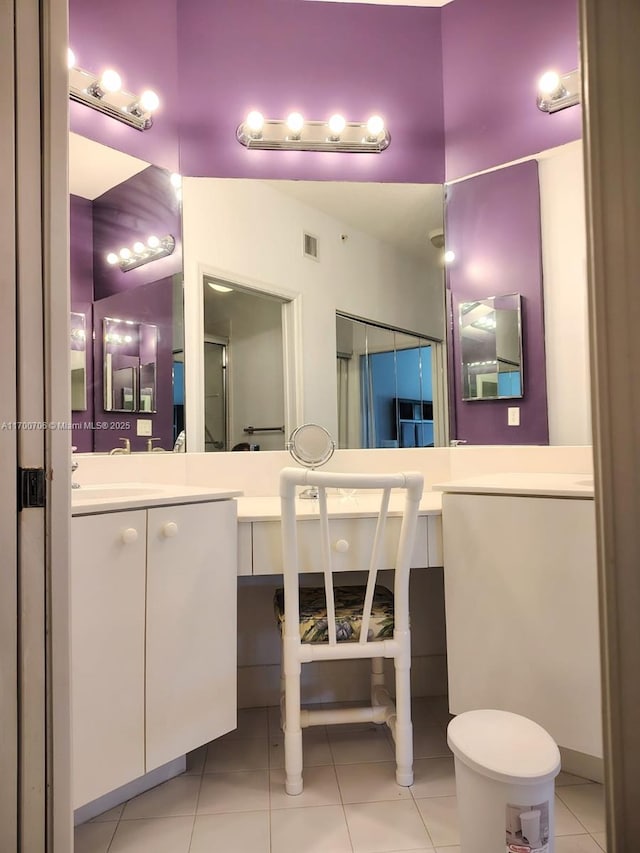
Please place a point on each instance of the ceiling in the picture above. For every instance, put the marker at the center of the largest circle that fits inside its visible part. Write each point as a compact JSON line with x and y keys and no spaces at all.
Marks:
{"x":94,"y":168}
{"x":431,"y":3}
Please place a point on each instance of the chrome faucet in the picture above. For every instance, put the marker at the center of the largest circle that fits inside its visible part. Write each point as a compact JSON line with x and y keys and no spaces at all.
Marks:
{"x":125,"y":449}
{"x":456,"y":442}
{"x":74,"y":467}
{"x":150,"y":446}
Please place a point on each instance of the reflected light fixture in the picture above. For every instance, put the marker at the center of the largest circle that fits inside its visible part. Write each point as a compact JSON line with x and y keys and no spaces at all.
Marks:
{"x":221,"y":288}
{"x":558,"y":91}
{"x":105,"y":94}
{"x":142,"y":253}
{"x":295,"y":133}
{"x":449,"y":256}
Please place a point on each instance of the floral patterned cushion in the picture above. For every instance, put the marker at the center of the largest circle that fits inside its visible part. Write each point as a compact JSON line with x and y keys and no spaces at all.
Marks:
{"x":349,"y":601}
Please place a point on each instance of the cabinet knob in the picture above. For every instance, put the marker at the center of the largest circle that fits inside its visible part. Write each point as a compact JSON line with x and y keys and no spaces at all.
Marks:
{"x":169,"y":529}
{"x":341,"y":545}
{"x":129,"y":535}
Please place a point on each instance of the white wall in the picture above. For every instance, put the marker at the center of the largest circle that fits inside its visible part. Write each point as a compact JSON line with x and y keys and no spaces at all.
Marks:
{"x":564,"y":261}
{"x":249,"y":232}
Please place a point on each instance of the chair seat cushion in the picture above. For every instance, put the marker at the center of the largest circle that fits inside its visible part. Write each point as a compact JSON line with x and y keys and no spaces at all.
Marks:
{"x":349,"y":602}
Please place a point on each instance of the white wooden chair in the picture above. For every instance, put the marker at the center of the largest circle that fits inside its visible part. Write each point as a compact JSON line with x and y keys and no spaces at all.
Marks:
{"x":336,"y":622}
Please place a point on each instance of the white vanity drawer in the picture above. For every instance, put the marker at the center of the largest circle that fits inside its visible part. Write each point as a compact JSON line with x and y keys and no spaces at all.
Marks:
{"x":351,"y":540}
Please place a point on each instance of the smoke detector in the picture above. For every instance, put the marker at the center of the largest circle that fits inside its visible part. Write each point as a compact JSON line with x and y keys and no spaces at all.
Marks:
{"x":437,"y":238}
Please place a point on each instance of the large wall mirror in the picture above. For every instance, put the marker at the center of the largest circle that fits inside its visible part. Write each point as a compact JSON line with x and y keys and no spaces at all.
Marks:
{"x":491,"y":348}
{"x":127,"y":284}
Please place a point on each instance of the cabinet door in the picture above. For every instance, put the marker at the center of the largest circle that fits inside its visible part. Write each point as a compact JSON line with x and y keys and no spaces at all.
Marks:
{"x":107,"y":651}
{"x":191,"y":627}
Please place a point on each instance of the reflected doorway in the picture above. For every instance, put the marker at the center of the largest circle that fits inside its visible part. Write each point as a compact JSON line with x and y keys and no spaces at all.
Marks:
{"x":215,"y":395}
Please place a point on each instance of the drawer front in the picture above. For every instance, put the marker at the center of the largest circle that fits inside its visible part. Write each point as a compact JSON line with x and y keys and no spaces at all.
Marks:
{"x":350,"y":538}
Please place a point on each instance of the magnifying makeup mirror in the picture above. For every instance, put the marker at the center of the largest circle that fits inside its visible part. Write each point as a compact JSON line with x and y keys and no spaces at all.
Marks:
{"x":311,"y":446}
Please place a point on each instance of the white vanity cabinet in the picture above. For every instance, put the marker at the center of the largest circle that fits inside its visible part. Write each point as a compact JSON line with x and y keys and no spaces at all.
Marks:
{"x":521,"y":605}
{"x":153,"y":639}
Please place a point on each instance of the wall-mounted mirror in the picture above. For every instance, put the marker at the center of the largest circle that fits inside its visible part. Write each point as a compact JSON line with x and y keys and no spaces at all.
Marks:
{"x":78,"y":348}
{"x":129,"y":365}
{"x":491,"y":348}
{"x":122,"y":205}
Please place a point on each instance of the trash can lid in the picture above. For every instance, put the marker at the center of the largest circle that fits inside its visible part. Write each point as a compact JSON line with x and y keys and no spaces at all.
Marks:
{"x":504,"y":746}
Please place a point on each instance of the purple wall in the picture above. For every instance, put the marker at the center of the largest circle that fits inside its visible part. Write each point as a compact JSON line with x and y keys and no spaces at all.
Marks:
{"x":143,"y":205}
{"x":149,"y":303}
{"x":494,"y":52}
{"x":316,"y":58}
{"x":138,"y":39}
{"x":493,"y":225}
{"x":81,"y":278}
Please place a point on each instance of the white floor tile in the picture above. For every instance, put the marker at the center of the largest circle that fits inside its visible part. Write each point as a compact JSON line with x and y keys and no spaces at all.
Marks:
{"x":454,"y":849}
{"x":587,"y":804}
{"x":314,"y":830}
{"x":171,"y":799}
{"x":369,"y":783}
{"x":569,"y":779}
{"x":601,"y":839}
{"x":433,"y":777}
{"x":377,"y":827}
{"x":315,"y":748}
{"x":94,"y":837}
{"x":232,"y":756}
{"x":246,"y":832}
{"x":358,"y":747}
{"x":566,"y":823}
{"x":576,"y":844}
{"x":429,"y":742}
{"x":234,"y":792}
{"x":320,"y":789}
{"x":440,"y":815}
{"x":112,"y":814}
{"x":160,"y":835}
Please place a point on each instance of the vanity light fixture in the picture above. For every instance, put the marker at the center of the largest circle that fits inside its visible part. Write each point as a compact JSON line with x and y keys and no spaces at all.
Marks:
{"x":449,"y":256}
{"x":558,"y":91}
{"x":142,"y":253}
{"x":105,"y":94}
{"x":295,"y":133}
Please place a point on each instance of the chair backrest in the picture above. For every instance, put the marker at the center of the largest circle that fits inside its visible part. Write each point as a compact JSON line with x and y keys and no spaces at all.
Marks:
{"x":411,"y":483}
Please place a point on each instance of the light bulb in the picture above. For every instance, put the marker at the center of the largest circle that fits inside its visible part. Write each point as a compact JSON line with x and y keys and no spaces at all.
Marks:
{"x":125,"y":254}
{"x":149,"y":101}
{"x":176,"y":180}
{"x":375,"y":126}
{"x":153,"y":242}
{"x":449,"y":256}
{"x":336,"y":124}
{"x":295,"y":123}
{"x":255,"y":122}
{"x":549,"y":84}
{"x":139,"y":247}
{"x":71,"y":58}
{"x":127,"y":339}
{"x":110,"y":80}
{"x":112,"y":258}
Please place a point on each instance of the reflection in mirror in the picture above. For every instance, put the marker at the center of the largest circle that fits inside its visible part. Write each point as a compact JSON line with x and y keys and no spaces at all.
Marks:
{"x":311,"y":445}
{"x":385,"y":386}
{"x":491,"y":348}
{"x":129,"y":367}
{"x":78,"y":346}
{"x":243,"y":367}
{"x":118,"y":204}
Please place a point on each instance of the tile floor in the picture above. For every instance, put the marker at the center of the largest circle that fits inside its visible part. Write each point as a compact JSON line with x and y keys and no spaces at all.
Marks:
{"x":232,"y":800}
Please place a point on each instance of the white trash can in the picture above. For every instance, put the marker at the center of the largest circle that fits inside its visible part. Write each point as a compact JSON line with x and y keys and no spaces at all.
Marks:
{"x":505,"y":770}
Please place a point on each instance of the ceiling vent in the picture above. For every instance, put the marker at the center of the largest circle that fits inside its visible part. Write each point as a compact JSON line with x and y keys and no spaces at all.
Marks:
{"x":309,"y":246}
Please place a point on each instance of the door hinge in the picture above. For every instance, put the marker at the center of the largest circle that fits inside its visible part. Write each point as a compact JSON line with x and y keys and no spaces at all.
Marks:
{"x":32,"y":488}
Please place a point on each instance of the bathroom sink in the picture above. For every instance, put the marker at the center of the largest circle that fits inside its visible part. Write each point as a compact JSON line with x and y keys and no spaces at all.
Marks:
{"x":115,"y":490}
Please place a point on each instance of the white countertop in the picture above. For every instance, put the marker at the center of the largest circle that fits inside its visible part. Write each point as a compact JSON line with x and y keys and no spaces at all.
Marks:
{"x":577,"y":485}
{"x":120,"y":496}
{"x":362,"y":506}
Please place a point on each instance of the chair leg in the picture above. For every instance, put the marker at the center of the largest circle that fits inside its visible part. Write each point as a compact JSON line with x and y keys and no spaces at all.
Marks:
{"x":292,"y":729}
{"x":403,"y":727}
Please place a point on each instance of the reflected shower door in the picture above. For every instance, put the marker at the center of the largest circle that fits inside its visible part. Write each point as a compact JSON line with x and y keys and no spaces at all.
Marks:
{"x":215,"y":403}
